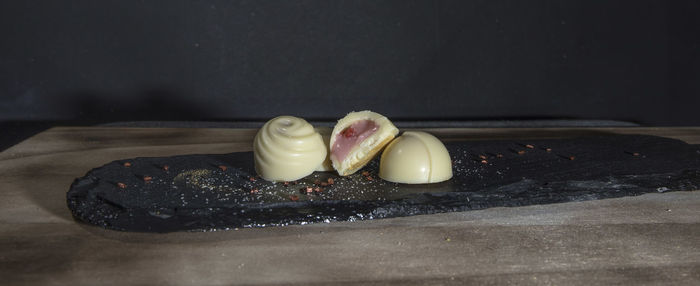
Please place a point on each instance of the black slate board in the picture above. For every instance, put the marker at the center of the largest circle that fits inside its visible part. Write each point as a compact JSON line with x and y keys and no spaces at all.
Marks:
{"x":217,"y":192}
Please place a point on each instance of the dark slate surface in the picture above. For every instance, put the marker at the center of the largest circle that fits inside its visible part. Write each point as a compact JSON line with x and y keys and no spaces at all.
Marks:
{"x":216,"y":192}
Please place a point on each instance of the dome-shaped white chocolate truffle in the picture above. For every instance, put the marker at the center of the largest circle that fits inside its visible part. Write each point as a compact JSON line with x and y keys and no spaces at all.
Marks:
{"x":415,"y":158}
{"x":287,"y":148}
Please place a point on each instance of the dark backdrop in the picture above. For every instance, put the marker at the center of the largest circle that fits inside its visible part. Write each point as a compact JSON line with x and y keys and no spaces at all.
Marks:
{"x":247,"y":60}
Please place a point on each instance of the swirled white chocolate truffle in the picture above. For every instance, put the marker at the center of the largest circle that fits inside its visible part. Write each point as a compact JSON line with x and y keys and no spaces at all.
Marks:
{"x":287,"y":148}
{"x":415,"y":158}
{"x":357,"y":138}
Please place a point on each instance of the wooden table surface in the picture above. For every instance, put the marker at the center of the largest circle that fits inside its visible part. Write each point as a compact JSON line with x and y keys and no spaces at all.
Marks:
{"x":649,"y":239}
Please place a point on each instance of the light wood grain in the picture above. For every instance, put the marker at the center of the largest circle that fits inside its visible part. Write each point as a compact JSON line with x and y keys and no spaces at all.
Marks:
{"x":650,"y":239}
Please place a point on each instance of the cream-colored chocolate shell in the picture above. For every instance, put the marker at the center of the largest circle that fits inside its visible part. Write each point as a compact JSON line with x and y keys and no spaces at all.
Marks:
{"x":415,"y":158}
{"x":361,"y":154}
{"x":287,"y":148}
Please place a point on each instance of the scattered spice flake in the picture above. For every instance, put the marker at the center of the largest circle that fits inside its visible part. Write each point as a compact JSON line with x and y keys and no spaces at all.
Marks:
{"x":223,"y":168}
{"x":306,"y":190}
{"x":317,"y":182}
{"x":499,"y":155}
{"x":520,"y":152}
{"x":147,"y":178}
{"x":369,"y":178}
{"x":254,"y":191}
{"x":484,"y":162}
{"x":286,"y":183}
{"x":331,"y":181}
{"x":318,"y":190}
{"x":571,"y":158}
{"x":529,"y":146}
{"x":294,"y":198}
{"x":365,"y":173}
{"x":127,"y":164}
{"x":121,"y":185}
{"x":252,"y":179}
{"x":166,"y":167}
{"x":482,"y":157}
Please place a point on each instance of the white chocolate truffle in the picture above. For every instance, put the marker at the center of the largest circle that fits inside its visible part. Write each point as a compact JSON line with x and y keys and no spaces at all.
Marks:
{"x":327,"y":165}
{"x":415,"y":158}
{"x":287,"y":148}
{"x":357,"y":138}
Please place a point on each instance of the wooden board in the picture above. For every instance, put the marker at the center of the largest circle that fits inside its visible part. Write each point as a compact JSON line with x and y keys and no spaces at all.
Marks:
{"x":650,"y":239}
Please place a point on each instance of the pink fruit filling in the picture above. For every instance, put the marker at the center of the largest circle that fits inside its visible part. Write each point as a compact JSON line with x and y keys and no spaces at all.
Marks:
{"x":351,"y":136}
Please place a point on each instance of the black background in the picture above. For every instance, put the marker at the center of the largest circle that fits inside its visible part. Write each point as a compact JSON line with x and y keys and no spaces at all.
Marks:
{"x":251,"y":60}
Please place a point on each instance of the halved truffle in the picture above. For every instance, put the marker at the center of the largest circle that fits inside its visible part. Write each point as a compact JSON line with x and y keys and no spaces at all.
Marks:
{"x":357,"y":138}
